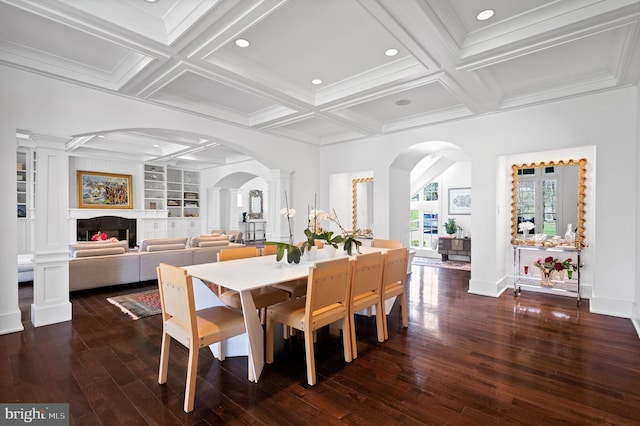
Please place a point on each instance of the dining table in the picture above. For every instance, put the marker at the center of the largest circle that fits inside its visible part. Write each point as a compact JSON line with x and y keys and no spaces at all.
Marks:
{"x":244,"y":275}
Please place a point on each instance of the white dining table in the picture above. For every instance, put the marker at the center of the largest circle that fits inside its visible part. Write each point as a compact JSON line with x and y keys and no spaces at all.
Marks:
{"x":244,"y":275}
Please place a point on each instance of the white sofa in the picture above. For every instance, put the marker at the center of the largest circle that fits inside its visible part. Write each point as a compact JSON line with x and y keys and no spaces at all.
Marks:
{"x":101,"y":264}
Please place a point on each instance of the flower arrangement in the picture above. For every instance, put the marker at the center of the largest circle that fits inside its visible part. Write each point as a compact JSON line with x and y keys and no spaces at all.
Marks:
{"x":100,"y":236}
{"x":314,"y":232}
{"x":526,"y":226}
{"x":549,"y":263}
{"x":451,"y":226}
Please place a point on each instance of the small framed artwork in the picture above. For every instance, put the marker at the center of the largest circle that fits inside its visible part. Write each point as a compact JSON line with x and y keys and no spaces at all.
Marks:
{"x":459,"y":200}
{"x":98,"y":190}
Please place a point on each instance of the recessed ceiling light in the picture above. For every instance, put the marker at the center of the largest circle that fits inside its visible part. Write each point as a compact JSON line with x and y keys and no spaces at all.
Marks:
{"x":202,"y":140}
{"x":316,"y":81}
{"x":485,"y":14}
{"x":403,"y":102}
{"x":240,"y":42}
{"x":155,"y":145}
{"x":391,"y":52}
{"x":151,"y":1}
{"x":101,"y":136}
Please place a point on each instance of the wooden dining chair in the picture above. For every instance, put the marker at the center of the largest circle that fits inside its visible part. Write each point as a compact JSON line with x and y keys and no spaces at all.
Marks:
{"x":366,"y":287}
{"x":390,"y":244}
{"x":326,"y":302}
{"x":394,"y":280}
{"x":193,"y":329}
{"x":262,"y":297}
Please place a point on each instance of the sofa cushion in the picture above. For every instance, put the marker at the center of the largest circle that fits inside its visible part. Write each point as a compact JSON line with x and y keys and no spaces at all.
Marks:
{"x":162,"y":247}
{"x":162,"y":241}
{"x":97,"y":245}
{"x":98,"y":252}
{"x":213,"y":243}
{"x":195,"y":241}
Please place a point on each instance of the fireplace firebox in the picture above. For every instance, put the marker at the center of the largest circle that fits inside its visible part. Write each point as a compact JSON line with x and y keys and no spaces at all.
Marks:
{"x":114,"y":226}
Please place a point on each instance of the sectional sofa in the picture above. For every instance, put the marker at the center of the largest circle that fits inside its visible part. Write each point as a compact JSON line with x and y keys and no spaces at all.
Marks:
{"x":99,"y":264}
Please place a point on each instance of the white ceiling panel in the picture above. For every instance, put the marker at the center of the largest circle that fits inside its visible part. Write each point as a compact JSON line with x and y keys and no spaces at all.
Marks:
{"x":181,"y":54}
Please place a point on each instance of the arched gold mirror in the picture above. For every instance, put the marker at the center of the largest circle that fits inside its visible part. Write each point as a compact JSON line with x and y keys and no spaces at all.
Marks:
{"x":550,"y":196}
{"x":362,"y":197}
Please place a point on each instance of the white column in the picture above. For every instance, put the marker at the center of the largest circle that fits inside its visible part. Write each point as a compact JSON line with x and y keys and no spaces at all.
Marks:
{"x":233,"y":210}
{"x":51,"y":259}
{"x":213,"y":209}
{"x":277,"y":228}
{"x":10,"y":320}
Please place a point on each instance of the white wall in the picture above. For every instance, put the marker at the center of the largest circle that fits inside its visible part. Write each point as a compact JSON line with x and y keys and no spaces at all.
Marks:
{"x":606,"y":121}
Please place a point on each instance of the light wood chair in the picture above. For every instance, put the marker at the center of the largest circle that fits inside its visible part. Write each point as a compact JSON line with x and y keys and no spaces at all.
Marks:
{"x":326,"y":302}
{"x":390,"y":244}
{"x":262,"y":297}
{"x":394,"y":279}
{"x":366,"y":287}
{"x":193,"y":329}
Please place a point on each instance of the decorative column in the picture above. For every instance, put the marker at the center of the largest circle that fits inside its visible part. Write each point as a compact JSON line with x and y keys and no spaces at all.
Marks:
{"x":277,"y":228}
{"x":51,"y":258}
{"x":213,"y":209}
{"x":233,"y":210}
{"x":10,"y":318}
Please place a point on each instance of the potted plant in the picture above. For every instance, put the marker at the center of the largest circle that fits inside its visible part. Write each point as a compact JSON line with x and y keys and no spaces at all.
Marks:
{"x":450,"y":226}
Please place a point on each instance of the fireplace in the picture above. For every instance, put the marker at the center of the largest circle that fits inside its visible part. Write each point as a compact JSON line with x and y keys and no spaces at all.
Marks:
{"x":114,"y":226}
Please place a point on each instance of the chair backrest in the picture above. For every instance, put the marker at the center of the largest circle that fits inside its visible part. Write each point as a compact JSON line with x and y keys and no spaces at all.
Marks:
{"x":269,"y":249}
{"x":395,"y":266}
{"x":238,"y":253}
{"x":328,"y":284}
{"x":366,"y":274}
{"x":177,"y":300}
{"x":391,"y":244}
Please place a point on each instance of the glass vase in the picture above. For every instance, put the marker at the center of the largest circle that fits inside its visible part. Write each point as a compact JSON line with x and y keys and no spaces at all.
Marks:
{"x":546,"y":278}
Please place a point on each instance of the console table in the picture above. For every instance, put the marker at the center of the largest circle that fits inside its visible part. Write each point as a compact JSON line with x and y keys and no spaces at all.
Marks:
{"x":526,"y":274}
{"x":454,"y":246}
{"x":254,"y":230}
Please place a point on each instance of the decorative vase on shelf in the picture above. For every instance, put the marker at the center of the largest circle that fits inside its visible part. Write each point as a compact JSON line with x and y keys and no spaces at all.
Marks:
{"x":546,"y":278}
{"x":569,"y":274}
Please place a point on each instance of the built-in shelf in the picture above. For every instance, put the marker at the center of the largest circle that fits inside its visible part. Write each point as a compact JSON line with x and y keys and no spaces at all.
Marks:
{"x":22,"y":183}
{"x":183,"y":193}
{"x":154,"y":187}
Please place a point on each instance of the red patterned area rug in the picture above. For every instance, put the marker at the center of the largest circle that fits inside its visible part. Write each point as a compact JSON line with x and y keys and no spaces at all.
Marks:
{"x":138,"y":305}
{"x":437,"y":263}
{"x":144,"y":303}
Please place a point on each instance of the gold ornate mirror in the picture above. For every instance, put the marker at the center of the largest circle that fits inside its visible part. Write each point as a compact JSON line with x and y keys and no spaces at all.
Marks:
{"x":362,"y":197}
{"x":255,"y":204}
{"x":549,"y":195}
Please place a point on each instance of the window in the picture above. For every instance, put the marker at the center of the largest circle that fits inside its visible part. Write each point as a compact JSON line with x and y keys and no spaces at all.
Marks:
{"x":431,"y":192}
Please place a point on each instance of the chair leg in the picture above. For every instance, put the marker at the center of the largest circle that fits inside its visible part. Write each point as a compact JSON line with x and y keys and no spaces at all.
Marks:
{"x":403,"y":309}
{"x":346,"y":338}
{"x":383,"y":314}
{"x":269,"y":337}
{"x":380,"y":322}
{"x":164,"y":358}
{"x":222,"y":349}
{"x":310,"y":356}
{"x":352,"y":328}
{"x":192,"y":370}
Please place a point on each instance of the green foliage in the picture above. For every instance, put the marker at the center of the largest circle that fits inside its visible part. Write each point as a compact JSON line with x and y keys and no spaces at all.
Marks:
{"x":349,"y":243}
{"x":294,"y":254}
{"x":450,"y":226}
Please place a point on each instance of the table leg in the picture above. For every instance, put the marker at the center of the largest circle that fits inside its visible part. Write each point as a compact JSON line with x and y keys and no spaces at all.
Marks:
{"x":256,"y":336}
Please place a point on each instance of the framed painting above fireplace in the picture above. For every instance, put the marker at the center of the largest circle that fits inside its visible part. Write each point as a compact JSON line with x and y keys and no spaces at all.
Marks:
{"x":99,"y":190}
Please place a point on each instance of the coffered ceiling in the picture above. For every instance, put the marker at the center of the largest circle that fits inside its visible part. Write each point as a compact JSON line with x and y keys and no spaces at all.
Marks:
{"x":182,"y":54}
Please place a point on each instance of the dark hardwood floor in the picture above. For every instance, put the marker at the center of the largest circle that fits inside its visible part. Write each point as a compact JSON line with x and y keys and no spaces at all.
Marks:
{"x":464,"y":360}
